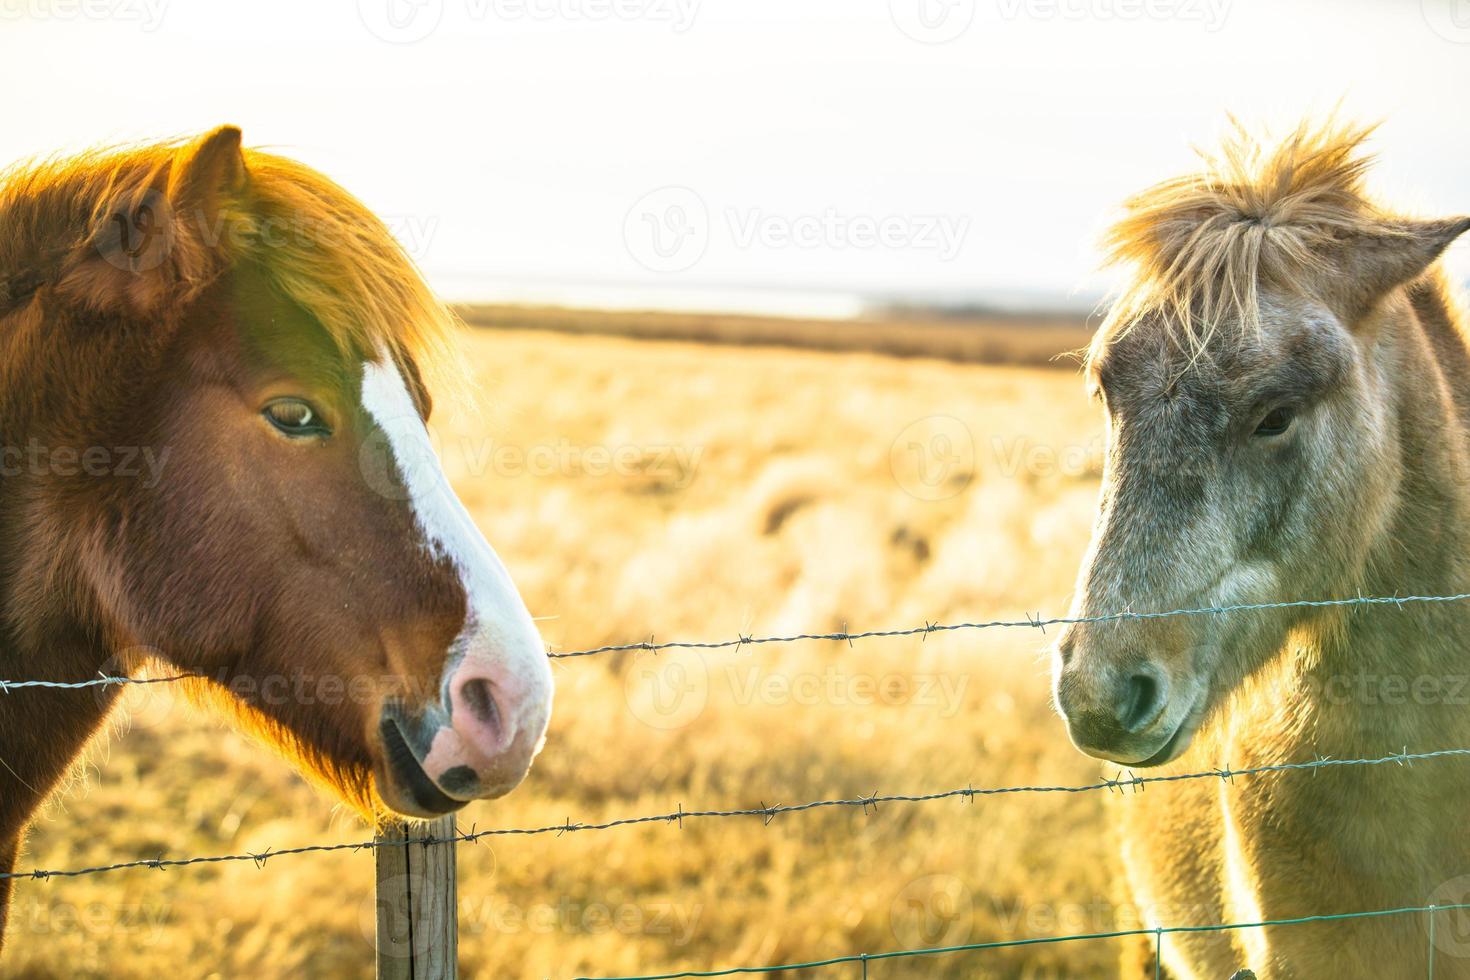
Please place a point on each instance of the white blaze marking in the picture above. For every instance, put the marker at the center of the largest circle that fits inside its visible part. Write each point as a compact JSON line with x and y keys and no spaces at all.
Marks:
{"x":503,"y":631}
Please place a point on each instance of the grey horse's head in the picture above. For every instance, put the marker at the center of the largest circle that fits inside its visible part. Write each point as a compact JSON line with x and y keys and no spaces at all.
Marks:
{"x":1254,"y":433}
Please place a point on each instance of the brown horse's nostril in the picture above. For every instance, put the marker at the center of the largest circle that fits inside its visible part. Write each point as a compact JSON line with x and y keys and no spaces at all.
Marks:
{"x":480,"y":700}
{"x":1141,"y":703}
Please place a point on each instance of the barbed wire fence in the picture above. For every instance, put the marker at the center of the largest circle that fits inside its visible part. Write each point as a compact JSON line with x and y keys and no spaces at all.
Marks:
{"x":1125,"y":781}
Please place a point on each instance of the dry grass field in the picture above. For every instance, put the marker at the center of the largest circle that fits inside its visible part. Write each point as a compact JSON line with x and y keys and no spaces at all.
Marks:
{"x":1034,"y":340}
{"x":688,"y":491}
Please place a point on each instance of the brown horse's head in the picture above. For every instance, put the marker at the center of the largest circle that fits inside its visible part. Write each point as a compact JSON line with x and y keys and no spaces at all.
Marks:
{"x":216,"y":362}
{"x":1254,"y":442}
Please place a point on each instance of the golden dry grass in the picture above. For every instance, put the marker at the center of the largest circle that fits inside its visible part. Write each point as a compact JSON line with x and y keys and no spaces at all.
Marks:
{"x":816,"y":491}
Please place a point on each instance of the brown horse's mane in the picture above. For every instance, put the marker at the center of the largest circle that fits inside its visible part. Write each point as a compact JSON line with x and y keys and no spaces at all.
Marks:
{"x":319,"y":245}
{"x":1200,"y":246}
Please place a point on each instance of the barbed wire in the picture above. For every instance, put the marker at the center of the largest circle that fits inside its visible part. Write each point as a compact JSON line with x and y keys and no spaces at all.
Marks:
{"x":103,"y":680}
{"x":1156,"y":934}
{"x":1032,"y":622}
{"x":1126,"y":781}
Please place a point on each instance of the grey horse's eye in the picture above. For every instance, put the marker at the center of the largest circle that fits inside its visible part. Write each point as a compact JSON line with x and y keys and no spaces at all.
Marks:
{"x":1277,"y":421}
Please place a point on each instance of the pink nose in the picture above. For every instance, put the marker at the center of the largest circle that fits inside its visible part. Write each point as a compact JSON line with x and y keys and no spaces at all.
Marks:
{"x":497,"y":720}
{"x":476,"y":715}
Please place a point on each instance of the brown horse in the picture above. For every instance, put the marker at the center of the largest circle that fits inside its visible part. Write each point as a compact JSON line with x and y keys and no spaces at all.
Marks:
{"x":212,"y":434}
{"x":1287,"y":388}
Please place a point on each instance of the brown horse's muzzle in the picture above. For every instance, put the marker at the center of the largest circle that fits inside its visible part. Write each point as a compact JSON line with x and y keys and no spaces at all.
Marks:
{"x":475,"y":741}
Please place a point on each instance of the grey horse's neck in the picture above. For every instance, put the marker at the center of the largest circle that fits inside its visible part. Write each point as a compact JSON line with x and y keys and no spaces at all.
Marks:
{"x":1401,"y":676}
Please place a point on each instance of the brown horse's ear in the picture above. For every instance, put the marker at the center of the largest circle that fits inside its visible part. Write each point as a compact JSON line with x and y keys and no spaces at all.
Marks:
{"x":209,"y":172}
{"x":1365,"y":265}
{"x":164,"y":229}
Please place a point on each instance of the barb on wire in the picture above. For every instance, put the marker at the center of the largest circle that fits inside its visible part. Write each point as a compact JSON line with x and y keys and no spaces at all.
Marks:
{"x":767,"y":813}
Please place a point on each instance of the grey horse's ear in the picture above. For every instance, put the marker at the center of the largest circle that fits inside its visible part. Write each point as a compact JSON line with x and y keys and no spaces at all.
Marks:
{"x":1366,"y":265}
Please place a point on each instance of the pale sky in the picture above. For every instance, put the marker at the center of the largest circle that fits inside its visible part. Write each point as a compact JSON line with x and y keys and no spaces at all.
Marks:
{"x":672,"y":150}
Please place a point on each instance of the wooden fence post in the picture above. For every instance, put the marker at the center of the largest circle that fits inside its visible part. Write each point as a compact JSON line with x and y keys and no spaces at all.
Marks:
{"x":418,"y":920}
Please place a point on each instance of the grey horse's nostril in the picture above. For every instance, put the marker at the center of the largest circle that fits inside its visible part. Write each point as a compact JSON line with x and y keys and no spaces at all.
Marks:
{"x":1140,"y":704}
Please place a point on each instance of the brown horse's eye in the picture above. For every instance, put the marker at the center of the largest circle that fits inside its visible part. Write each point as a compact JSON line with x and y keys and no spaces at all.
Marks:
{"x":295,"y":417}
{"x":1277,"y":421}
